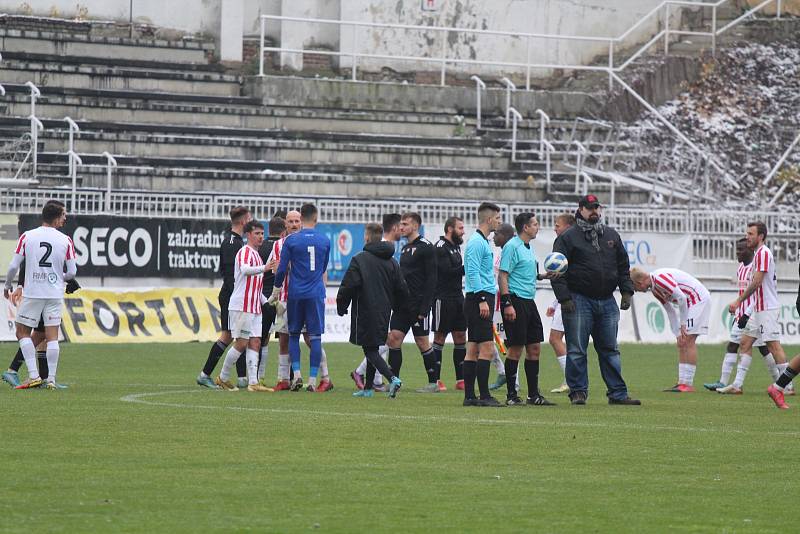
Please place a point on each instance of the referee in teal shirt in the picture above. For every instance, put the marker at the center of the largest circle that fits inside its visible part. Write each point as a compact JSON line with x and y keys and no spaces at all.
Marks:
{"x":519,"y":272}
{"x":479,"y":307}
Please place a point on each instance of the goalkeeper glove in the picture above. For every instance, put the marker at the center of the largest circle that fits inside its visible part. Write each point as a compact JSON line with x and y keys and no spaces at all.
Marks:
{"x":72,"y":286}
{"x":275,"y":297}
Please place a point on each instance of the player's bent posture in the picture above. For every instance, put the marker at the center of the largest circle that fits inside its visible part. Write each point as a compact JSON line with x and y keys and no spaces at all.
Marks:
{"x":49,"y":261}
{"x":776,"y":390}
{"x":448,"y":307}
{"x":227,"y":257}
{"x":763,"y":323}
{"x":521,"y":321}
{"x":372,"y":284}
{"x":306,"y":253}
{"x":391,"y":234}
{"x":478,"y":305}
{"x":743,"y":312}
{"x":244,"y":311}
{"x":675,"y":288}
{"x":418,"y":265}
{"x":556,"y":339}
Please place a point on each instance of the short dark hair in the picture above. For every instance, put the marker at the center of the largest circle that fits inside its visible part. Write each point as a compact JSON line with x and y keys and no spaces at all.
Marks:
{"x":237,"y":213}
{"x":308,"y":211}
{"x":451,"y":222}
{"x":276,"y":226}
{"x":413,"y":215}
{"x":761,"y":228}
{"x":522,"y":219}
{"x":252,"y":225}
{"x":52,"y":210}
{"x":485,"y":208}
{"x":374,"y":232}
{"x":566,"y":218}
{"x":505,"y":229}
{"x":281,"y":214}
{"x":390,"y":220}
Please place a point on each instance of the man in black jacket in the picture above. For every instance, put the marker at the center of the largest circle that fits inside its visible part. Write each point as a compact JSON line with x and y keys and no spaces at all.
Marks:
{"x":373,"y":284}
{"x":598,"y":264}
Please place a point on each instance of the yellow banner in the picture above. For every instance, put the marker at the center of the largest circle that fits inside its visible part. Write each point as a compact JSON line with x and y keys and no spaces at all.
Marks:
{"x":161,"y":315}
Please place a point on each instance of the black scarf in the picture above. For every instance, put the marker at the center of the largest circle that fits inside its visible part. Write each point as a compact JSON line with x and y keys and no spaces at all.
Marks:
{"x":591,"y":232}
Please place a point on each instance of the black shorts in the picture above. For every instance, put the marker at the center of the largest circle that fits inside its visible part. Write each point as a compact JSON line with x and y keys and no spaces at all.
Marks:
{"x":268,"y":315}
{"x":479,"y":330}
{"x":448,"y":316}
{"x":224,"y":299}
{"x":405,"y":320}
{"x":527,"y":328}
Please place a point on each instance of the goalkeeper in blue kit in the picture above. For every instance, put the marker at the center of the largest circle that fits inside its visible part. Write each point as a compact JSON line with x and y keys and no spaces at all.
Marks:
{"x":304,"y":258}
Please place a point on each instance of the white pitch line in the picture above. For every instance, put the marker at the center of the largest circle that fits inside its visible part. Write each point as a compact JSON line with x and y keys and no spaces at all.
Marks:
{"x":140,"y":398}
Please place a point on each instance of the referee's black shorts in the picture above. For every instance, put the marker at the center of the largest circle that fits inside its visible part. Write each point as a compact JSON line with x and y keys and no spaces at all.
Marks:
{"x":527,"y":328}
{"x":405,"y":319}
{"x":448,"y":315}
{"x":268,"y":316}
{"x":224,"y":299}
{"x":479,"y":330}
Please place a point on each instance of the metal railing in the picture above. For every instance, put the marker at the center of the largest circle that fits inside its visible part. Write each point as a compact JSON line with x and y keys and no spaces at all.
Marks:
{"x":775,"y":170}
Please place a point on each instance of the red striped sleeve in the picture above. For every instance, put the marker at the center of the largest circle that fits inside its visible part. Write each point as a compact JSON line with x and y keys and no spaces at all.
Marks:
{"x":70,"y":249}
{"x":20,"y":245}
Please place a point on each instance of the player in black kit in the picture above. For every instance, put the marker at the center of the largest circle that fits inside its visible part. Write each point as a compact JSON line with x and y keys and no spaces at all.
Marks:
{"x":418,"y":266}
{"x":276,"y":229}
{"x":448,"y":307}
{"x":227,"y":257}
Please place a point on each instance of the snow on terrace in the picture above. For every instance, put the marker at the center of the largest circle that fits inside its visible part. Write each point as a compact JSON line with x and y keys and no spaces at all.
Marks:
{"x":745,"y":111}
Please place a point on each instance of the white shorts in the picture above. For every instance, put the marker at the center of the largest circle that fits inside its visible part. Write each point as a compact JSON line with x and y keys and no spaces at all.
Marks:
{"x":244,"y":325}
{"x":737,"y":333}
{"x":697,"y":321}
{"x":764,"y":325}
{"x":31,"y":311}
{"x":557,"y":323}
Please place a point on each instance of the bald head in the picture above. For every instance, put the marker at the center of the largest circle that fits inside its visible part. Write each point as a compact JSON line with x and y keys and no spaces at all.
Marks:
{"x":293,"y":222}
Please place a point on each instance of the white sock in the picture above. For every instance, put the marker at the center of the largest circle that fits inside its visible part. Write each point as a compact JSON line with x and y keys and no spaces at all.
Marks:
{"x":52,"y":360}
{"x":772,"y":367}
{"x":227,"y":366}
{"x":252,"y":366}
{"x":262,"y":365}
{"x":728,"y":363}
{"x":283,"y":367}
{"x":29,"y":353}
{"x":781,"y":367}
{"x":498,"y":362}
{"x":383,"y":352}
{"x":323,"y":365}
{"x":688,"y":373}
{"x":741,"y":370}
{"x":362,"y":367}
{"x":312,"y":380}
{"x":562,"y":362}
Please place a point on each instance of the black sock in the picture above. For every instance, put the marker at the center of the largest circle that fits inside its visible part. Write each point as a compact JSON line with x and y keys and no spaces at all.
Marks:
{"x":241,"y":365}
{"x":511,"y":377}
{"x":469,"y":369}
{"x":216,"y":352}
{"x":482,"y":372}
{"x":369,"y":377}
{"x":17,"y":362}
{"x":532,"y":375}
{"x":395,"y":361}
{"x":437,"y":353}
{"x":459,"y":352}
{"x":41,"y":358}
{"x":379,"y":364}
{"x":786,"y":377}
{"x":429,"y":357}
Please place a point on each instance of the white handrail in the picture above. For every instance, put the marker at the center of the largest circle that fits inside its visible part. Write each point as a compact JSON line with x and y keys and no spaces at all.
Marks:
{"x":509,"y":88}
{"x":550,"y":148}
{"x":110,"y":162}
{"x":516,"y":116}
{"x":74,"y":160}
{"x":781,"y":161}
{"x":579,"y":164}
{"x":479,"y":86}
{"x":544,"y":120}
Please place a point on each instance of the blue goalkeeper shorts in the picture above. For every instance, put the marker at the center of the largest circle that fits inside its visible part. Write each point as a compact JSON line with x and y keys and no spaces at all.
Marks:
{"x":308,"y":313}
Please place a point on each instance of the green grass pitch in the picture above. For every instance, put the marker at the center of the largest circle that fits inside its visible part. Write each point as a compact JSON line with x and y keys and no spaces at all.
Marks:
{"x":135,"y":445}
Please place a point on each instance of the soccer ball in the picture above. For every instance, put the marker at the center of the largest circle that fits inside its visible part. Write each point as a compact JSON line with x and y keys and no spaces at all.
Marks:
{"x":556,"y":262}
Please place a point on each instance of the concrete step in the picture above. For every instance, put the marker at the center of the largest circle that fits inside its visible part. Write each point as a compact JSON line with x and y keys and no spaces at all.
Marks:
{"x":73,"y":44}
{"x":114,"y":62}
{"x":59,"y":74}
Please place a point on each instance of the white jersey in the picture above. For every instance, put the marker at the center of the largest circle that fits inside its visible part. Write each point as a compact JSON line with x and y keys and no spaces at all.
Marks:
{"x":766,"y":296}
{"x":47,"y":252}
{"x":674,"y":285}
{"x":276,"y":255}
{"x":248,"y":281}
{"x":743,"y":276}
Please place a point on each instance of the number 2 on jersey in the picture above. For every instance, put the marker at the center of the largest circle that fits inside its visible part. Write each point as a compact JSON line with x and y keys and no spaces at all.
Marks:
{"x":312,"y":262}
{"x":48,"y":250}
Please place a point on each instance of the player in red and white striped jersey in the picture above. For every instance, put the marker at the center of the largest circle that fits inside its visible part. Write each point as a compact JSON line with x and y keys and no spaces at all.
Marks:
{"x":49,"y":257}
{"x":763,"y":322}
{"x":674,"y":288}
{"x":742,"y":314}
{"x":244,"y":310}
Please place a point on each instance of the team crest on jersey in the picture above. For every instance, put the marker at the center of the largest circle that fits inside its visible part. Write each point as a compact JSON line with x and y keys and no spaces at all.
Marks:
{"x":52,"y":278}
{"x":610,"y":243}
